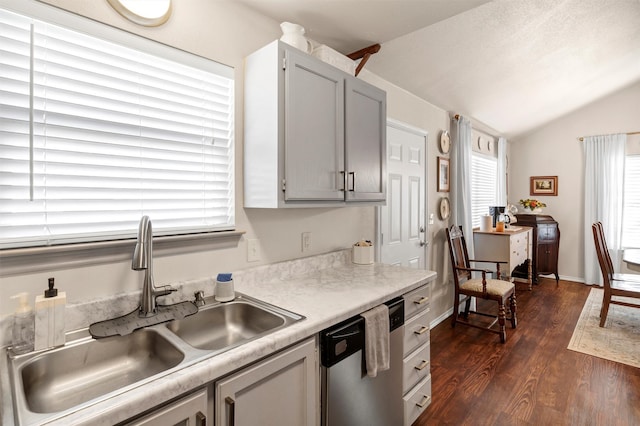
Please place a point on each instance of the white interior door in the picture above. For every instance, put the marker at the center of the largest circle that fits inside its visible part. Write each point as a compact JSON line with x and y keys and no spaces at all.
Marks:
{"x":401,"y":222}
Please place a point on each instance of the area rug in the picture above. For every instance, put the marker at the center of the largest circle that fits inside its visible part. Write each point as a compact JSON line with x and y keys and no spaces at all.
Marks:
{"x":618,"y":341}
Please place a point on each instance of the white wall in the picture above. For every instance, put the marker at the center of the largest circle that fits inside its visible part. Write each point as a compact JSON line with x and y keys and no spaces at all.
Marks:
{"x":227,"y":32}
{"x":408,"y":108}
{"x":554,"y":150}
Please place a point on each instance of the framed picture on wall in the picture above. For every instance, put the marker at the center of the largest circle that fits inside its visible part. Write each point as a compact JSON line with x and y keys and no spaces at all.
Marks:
{"x":543,"y":185}
{"x":443,"y":174}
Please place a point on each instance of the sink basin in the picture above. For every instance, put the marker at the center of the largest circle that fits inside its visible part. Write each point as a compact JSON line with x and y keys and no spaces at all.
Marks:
{"x":61,"y":379}
{"x":51,"y":384}
{"x":226,"y":325}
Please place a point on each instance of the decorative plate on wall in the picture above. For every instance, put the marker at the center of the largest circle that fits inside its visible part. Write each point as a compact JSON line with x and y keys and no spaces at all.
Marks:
{"x":445,"y":208}
{"x":445,"y":142}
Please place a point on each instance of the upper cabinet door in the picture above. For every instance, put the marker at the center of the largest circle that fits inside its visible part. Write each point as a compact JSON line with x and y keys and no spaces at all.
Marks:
{"x":365,"y":122}
{"x":314,"y":129}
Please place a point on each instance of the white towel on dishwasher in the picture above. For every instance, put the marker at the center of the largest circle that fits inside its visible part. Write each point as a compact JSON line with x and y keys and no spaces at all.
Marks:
{"x":376,"y":339}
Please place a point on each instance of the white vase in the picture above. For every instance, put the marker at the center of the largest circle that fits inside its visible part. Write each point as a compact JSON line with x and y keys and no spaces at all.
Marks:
{"x":293,"y":34}
{"x":537,"y":210}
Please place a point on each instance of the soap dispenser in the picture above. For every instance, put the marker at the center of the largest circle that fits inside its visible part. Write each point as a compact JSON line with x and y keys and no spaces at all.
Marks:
{"x":22,"y":326}
{"x":49,"y":318}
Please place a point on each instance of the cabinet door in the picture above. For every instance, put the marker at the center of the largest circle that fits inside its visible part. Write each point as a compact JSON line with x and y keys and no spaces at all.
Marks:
{"x":366,"y":160}
{"x":280,"y":391}
{"x":188,"y":411}
{"x":314,"y":129}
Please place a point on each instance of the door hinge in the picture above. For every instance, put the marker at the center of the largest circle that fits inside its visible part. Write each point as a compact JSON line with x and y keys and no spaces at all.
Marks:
{"x":284,"y":185}
{"x":284,"y":63}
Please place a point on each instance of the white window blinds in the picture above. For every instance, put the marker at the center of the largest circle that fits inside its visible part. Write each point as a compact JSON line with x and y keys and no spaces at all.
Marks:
{"x":631,"y":209}
{"x":93,"y":135}
{"x":484,"y":186}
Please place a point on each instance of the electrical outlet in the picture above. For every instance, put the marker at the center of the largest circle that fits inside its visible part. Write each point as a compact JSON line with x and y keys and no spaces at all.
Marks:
{"x":306,"y":241}
{"x":253,"y":250}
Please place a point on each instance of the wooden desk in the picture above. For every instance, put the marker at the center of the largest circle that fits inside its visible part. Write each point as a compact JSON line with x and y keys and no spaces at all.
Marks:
{"x":512,"y":246}
{"x":632,"y":258}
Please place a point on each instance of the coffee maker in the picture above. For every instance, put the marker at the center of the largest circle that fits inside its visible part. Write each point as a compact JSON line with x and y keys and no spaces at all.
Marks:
{"x":497,"y":214}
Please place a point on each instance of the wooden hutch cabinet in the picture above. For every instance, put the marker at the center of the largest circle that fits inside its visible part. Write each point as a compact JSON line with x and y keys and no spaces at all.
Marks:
{"x":546,"y":243}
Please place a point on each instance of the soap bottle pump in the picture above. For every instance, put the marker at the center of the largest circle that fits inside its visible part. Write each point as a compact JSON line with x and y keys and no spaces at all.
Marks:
{"x":22,"y":326}
{"x":49,"y":318}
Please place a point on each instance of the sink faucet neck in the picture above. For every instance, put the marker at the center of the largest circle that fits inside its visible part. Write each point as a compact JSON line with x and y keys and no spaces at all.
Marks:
{"x":143,"y":260}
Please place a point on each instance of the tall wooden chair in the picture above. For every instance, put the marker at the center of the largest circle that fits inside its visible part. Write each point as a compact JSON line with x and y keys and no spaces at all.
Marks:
{"x":626,"y":285}
{"x":484,"y":288}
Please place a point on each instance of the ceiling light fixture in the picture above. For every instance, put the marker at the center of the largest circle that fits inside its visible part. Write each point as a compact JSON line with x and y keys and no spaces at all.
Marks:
{"x":150,"y":13}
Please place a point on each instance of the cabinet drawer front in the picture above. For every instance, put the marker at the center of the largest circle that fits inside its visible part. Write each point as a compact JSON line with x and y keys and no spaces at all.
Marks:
{"x":416,"y":367}
{"x":416,"y":401}
{"x":416,"y":332}
{"x":416,"y":301}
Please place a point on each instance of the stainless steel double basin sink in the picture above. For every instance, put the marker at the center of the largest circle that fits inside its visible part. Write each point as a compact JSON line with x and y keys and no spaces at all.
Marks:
{"x":87,"y":370}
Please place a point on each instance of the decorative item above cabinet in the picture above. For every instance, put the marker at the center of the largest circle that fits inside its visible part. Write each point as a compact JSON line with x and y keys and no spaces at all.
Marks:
{"x":314,"y":136}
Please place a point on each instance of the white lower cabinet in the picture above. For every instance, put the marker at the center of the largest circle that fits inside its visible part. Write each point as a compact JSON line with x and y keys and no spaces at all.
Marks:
{"x":416,"y":372}
{"x":188,"y":411}
{"x":282,"y":390}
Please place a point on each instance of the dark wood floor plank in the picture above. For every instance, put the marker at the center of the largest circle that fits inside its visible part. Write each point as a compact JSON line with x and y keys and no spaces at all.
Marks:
{"x":532,"y":379}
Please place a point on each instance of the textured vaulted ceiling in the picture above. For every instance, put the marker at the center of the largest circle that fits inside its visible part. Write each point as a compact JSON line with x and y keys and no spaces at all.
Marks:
{"x":510,"y":64}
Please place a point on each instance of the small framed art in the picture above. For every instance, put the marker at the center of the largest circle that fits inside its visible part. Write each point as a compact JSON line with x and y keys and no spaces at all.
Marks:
{"x":443,"y":174}
{"x":543,"y":185}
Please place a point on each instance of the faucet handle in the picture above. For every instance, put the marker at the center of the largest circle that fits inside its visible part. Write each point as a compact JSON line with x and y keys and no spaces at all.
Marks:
{"x":199,"y":298}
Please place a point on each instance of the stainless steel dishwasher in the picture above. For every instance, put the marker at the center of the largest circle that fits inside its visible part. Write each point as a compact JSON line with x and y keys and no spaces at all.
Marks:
{"x":349,"y":396}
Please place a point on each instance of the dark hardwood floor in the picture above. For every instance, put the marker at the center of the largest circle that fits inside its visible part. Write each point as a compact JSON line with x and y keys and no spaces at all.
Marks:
{"x":532,"y":379}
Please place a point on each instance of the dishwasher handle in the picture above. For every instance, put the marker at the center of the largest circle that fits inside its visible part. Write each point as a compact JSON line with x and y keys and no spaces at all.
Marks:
{"x":341,"y":341}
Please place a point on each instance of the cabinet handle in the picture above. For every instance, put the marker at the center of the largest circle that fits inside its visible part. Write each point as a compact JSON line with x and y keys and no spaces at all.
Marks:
{"x":344,"y":181}
{"x":422,"y":300}
{"x":353,"y":181}
{"x":422,"y":330}
{"x":232,"y":410}
{"x":201,"y":419}
{"x":425,"y":401}
{"x":422,"y":365}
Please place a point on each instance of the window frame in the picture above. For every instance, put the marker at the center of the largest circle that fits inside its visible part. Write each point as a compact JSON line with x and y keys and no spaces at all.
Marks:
{"x":67,"y":20}
{"x":625,"y":216}
{"x":475,"y":216}
{"x":21,"y":260}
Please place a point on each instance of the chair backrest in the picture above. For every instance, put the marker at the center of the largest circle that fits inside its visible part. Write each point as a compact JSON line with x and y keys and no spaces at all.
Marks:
{"x":458,"y":253}
{"x":601,"y":250}
{"x":605,"y":247}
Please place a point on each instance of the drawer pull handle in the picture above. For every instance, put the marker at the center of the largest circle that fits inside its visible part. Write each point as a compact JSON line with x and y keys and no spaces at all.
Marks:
{"x":201,"y":419}
{"x":422,"y":330}
{"x":422,"y":300}
{"x":422,"y":365}
{"x":425,"y":400}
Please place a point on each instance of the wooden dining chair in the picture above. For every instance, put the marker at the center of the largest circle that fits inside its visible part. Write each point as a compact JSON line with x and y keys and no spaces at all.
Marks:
{"x":625,"y":285}
{"x":485,"y":287}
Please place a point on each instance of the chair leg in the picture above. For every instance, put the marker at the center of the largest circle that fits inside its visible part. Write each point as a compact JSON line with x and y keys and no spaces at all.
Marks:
{"x":467,"y":308}
{"x":456,"y":305}
{"x":501,"y":322}
{"x":514,"y":319}
{"x":605,"y":308}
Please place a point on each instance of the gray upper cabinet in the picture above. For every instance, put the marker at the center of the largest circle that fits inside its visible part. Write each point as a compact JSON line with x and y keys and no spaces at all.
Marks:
{"x":314,"y":136}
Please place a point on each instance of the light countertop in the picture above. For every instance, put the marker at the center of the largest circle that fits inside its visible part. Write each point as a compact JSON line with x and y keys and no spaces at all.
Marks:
{"x":325,"y":289}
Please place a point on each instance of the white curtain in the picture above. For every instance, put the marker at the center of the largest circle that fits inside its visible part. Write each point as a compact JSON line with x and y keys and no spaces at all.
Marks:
{"x":461,"y":180}
{"x":603,"y":197}
{"x":501,"y":196}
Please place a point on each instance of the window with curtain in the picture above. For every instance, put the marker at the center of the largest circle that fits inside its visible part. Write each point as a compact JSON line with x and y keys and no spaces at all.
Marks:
{"x":631,"y":209}
{"x":95,"y":134}
{"x":484,"y":177}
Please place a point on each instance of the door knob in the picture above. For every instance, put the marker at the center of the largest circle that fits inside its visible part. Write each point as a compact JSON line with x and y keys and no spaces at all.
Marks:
{"x":422,"y":229}
{"x":423,"y":243}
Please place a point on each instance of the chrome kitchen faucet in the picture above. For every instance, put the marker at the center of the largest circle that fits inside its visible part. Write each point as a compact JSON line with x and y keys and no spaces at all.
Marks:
{"x":143,"y":260}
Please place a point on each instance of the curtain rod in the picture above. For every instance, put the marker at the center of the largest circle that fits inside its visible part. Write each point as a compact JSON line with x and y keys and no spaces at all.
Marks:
{"x":628,"y":134}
